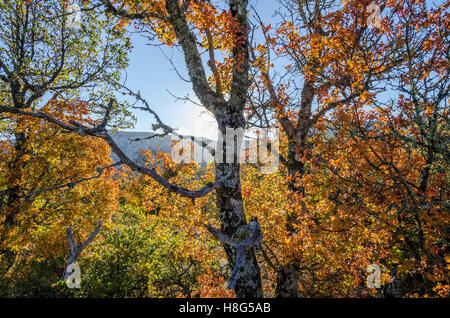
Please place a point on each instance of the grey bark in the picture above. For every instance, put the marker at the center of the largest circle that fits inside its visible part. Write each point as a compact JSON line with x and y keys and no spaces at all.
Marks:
{"x":240,"y":248}
{"x":76,"y":249}
{"x":229,"y":114}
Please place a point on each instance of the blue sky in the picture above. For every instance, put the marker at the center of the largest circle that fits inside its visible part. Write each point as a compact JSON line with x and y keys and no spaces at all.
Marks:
{"x":153,"y":75}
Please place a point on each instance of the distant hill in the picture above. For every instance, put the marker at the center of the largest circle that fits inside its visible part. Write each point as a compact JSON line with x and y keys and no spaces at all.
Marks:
{"x":124,"y":140}
{"x":131,"y":142}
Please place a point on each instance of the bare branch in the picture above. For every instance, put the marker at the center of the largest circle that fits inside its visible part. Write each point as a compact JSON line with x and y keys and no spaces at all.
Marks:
{"x":241,"y":247}
{"x":212,"y":62}
{"x":91,"y":237}
{"x":95,"y":132}
{"x":208,"y":97}
{"x":75,"y":250}
{"x":160,"y":124}
{"x":74,"y":183}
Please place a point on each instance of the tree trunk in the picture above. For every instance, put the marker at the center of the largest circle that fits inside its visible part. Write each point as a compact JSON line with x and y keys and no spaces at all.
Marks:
{"x":10,"y":205}
{"x":287,"y":281}
{"x":287,"y":275}
{"x":232,"y":215}
{"x":13,"y":193}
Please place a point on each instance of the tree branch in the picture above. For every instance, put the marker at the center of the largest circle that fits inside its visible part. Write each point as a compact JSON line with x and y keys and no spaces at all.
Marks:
{"x":75,"y":250}
{"x":241,"y":247}
{"x":74,"y":183}
{"x":208,"y":97}
{"x":96,"y":132}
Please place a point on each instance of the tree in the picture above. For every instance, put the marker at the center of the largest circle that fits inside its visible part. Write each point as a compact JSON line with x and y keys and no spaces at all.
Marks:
{"x":340,"y":61}
{"x":396,"y":154}
{"x":48,"y":65}
{"x":142,"y":255}
{"x":66,"y":180}
{"x":172,"y":19}
{"x":341,"y":182}
{"x":321,"y":40}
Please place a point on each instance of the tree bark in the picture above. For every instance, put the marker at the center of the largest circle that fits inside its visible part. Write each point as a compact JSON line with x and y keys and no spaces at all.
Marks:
{"x":287,"y":275}
{"x":13,"y":193}
{"x":287,"y":281}
{"x":229,"y":114}
{"x":232,"y":214}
